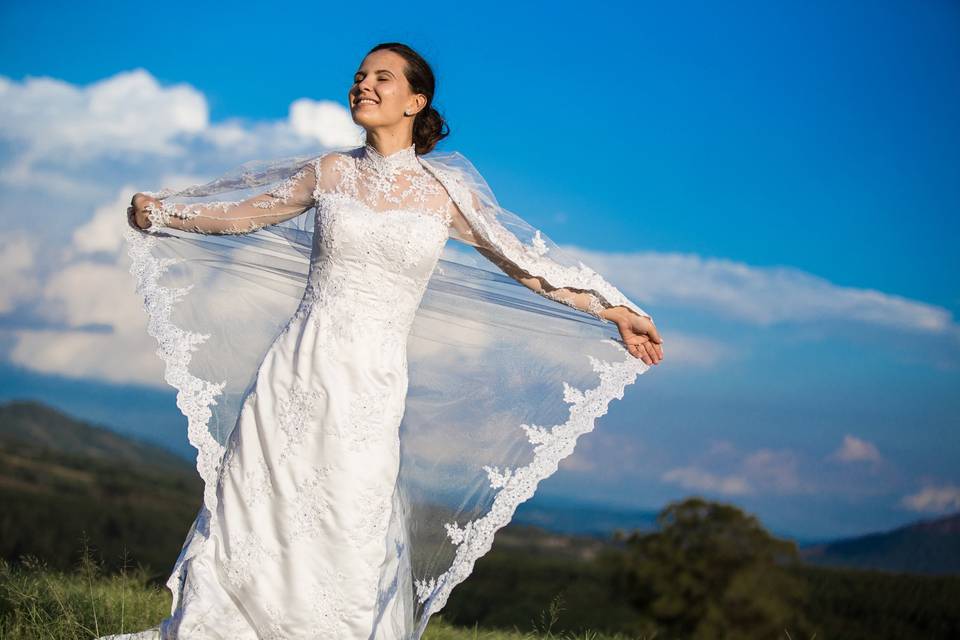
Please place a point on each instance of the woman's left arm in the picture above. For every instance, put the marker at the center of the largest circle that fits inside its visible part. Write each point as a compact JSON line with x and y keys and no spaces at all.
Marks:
{"x":636,"y":327}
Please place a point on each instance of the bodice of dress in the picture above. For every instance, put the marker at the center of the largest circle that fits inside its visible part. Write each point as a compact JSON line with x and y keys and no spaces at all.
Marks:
{"x":381,"y":224}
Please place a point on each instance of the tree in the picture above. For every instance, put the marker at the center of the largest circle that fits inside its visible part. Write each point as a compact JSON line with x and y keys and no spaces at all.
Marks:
{"x":711,"y":571}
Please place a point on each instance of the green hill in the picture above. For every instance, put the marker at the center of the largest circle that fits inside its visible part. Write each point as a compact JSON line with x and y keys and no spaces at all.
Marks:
{"x":930,"y":546}
{"x":62,"y":479}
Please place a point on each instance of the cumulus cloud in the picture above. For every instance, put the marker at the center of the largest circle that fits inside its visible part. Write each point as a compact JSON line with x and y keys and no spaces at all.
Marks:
{"x":724,"y":469}
{"x":82,"y":148}
{"x":103,"y":233}
{"x":853,"y":449}
{"x":603,"y":455}
{"x":101,"y":332}
{"x":127,"y":112}
{"x":934,"y":499}
{"x":17,"y":261}
{"x":696,"y":479}
{"x":761,"y":296}
{"x":773,"y":470}
{"x":59,"y":129}
{"x":326,"y":122}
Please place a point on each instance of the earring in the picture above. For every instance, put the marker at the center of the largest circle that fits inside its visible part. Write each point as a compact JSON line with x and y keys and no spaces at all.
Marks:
{"x":405,"y":113}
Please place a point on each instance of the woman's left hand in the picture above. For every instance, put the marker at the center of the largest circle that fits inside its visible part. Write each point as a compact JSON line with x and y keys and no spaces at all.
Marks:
{"x":638,"y":333}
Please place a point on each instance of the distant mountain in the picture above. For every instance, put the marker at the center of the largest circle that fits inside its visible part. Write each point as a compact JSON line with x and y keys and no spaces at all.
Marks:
{"x":928,"y":546}
{"x":60,"y":476}
{"x":42,"y":427}
{"x":561,"y":515}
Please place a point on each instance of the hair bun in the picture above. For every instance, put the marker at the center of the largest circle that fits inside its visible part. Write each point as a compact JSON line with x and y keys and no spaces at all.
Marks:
{"x":429,"y":128}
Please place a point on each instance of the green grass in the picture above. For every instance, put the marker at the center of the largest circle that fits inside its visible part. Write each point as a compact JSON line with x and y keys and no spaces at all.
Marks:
{"x":37,"y":602}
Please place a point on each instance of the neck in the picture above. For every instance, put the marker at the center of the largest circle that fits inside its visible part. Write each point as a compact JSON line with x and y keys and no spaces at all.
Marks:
{"x":387,"y":142}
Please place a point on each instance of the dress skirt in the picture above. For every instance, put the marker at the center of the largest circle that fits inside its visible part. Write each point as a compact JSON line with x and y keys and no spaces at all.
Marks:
{"x":307,"y":510}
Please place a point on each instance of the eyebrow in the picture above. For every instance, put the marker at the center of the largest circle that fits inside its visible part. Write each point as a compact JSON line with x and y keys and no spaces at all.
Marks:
{"x":377,"y":71}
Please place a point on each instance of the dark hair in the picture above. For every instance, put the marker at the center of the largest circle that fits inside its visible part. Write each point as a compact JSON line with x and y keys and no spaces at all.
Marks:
{"x":429,"y":127}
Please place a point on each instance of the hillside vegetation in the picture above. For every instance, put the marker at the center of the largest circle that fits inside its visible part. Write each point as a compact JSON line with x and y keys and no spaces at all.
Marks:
{"x":92,"y":524}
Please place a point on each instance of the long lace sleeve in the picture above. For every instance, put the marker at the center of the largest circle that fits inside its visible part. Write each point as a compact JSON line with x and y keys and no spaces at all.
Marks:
{"x":478,"y":223}
{"x":286,"y":200}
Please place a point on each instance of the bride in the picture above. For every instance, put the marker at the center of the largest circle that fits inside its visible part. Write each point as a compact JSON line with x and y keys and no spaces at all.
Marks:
{"x":343,"y":453}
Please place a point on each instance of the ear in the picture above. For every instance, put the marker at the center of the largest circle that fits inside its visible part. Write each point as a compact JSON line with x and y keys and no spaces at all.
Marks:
{"x":416,"y":104}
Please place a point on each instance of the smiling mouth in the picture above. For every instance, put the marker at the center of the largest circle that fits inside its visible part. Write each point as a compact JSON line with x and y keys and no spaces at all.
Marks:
{"x":363,"y":101}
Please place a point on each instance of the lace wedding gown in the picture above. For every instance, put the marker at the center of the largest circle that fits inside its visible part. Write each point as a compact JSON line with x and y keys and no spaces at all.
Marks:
{"x":307,"y":517}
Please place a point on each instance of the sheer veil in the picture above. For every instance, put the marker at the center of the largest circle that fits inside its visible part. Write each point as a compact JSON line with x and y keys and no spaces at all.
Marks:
{"x":502,"y":381}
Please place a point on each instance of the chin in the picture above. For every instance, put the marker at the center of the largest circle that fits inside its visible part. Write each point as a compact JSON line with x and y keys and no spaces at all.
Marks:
{"x":366,"y":120}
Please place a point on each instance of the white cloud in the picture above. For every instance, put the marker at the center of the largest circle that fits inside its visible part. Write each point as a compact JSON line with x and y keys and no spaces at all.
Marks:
{"x":604,"y":455}
{"x":698,"y":351}
{"x":933,"y":499}
{"x":106,"y":331}
{"x":758,"y":295}
{"x":124,"y":357}
{"x":104,"y":232}
{"x":773,"y":470}
{"x":128,"y":112}
{"x":699,"y":480}
{"x":58,"y":128}
{"x":854,"y":449}
{"x":17,"y":261}
{"x":725,"y":469}
{"x":326,"y":122}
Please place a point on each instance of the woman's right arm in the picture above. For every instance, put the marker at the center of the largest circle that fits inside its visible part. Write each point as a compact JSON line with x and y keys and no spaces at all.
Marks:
{"x":288,"y":199}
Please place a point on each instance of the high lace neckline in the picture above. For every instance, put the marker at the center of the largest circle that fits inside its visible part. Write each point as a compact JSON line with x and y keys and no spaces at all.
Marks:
{"x":403,"y":159}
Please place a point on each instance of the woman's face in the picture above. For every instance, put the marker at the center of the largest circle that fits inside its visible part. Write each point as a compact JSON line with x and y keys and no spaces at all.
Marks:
{"x":380,"y":93}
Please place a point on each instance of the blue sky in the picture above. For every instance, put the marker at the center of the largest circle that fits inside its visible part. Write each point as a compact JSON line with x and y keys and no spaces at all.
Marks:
{"x":777,"y":184}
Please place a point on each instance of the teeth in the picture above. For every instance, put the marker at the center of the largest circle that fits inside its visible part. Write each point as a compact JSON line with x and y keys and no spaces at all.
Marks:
{"x":362,"y":100}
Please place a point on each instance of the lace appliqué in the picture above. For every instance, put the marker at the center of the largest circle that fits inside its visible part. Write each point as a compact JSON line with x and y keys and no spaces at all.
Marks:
{"x":295,"y":415}
{"x":373,"y":517}
{"x":310,"y":505}
{"x":594,"y":306}
{"x":274,"y":629}
{"x":254,"y":484}
{"x":366,"y":422}
{"x":372,"y":160}
{"x":389,"y":183}
{"x":245,"y":556}
{"x":282,"y":192}
{"x":160,"y":216}
{"x":329,"y":611}
{"x":382,"y":252}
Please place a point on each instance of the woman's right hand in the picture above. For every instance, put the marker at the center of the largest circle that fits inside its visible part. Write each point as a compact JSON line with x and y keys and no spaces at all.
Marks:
{"x":137,"y":214}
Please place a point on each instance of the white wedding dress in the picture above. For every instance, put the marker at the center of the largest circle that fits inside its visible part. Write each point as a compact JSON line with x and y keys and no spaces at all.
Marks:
{"x":305,"y":493}
{"x":301,"y":542}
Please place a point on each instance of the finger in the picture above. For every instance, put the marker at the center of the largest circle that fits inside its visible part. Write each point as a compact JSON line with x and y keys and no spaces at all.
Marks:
{"x":651,"y":351}
{"x":645,"y":356}
{"x":642,"y":353}
{"x":634,"y":349}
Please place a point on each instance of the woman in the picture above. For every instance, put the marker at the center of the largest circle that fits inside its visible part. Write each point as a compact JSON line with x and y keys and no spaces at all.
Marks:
{"x":313,"y":524}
